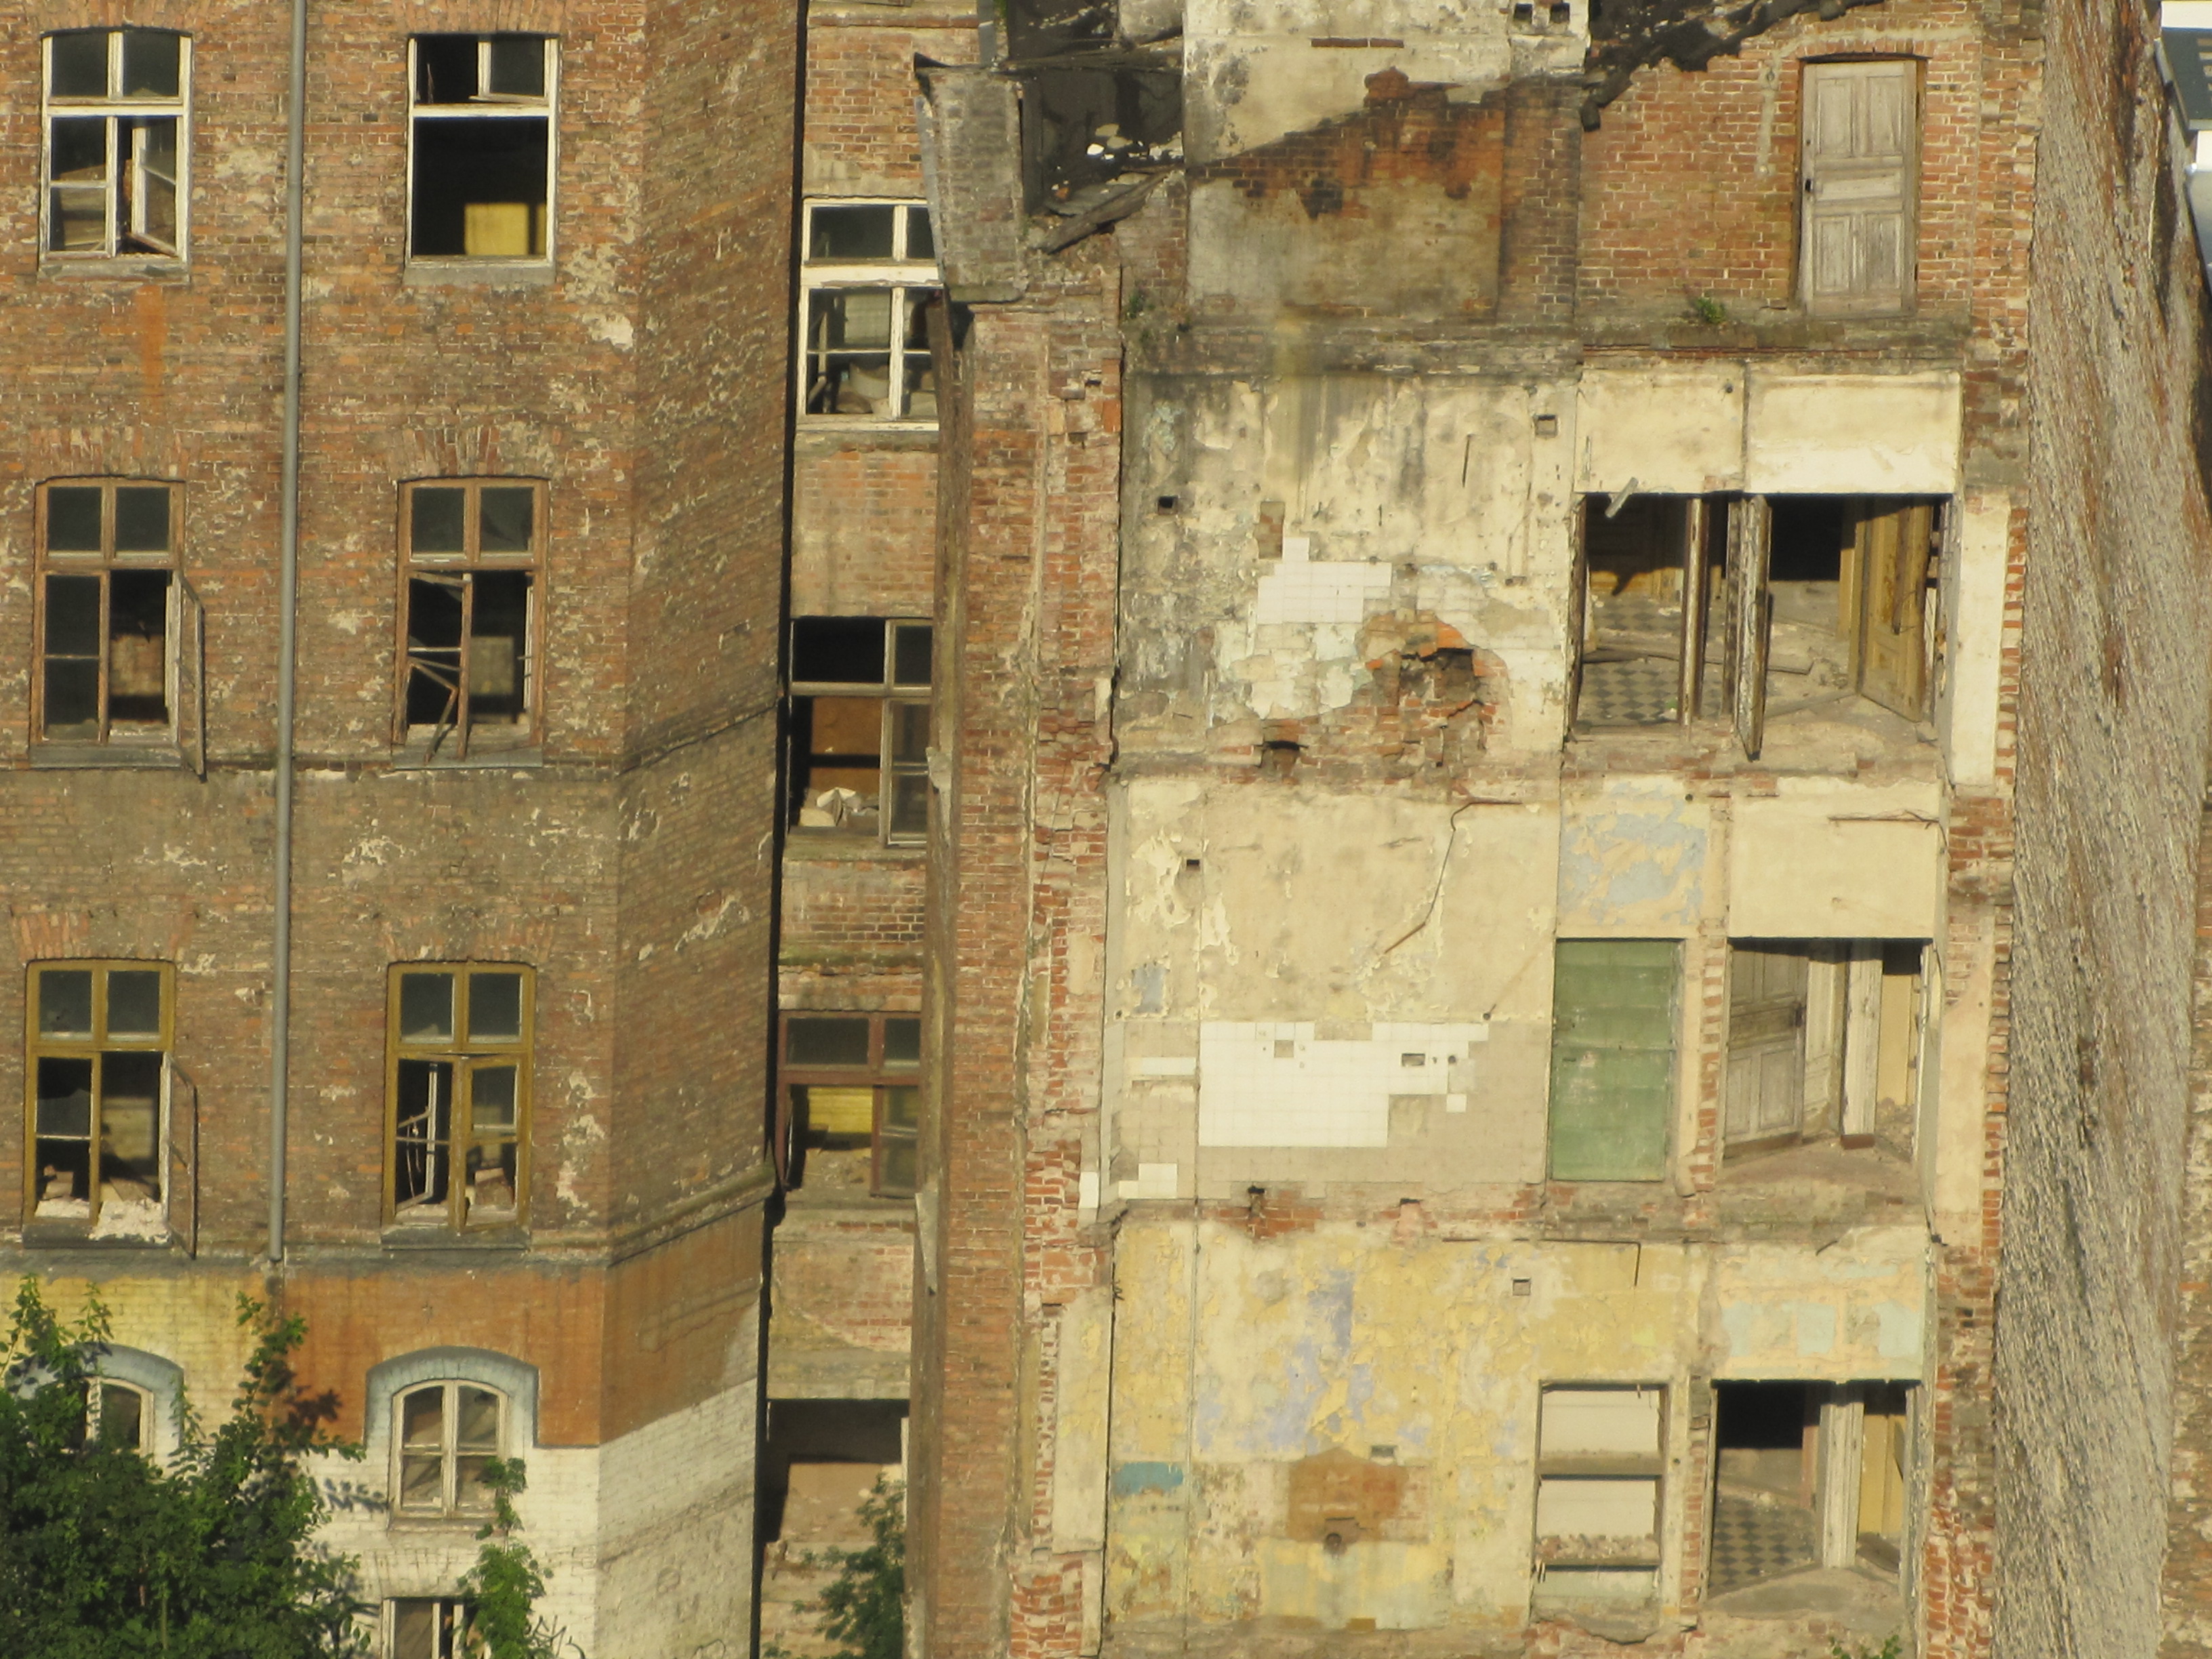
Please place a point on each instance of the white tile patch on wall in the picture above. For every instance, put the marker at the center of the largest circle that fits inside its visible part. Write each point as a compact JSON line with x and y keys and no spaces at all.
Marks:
{"x":1274,"y":1083}
{"x":1307,"y":590}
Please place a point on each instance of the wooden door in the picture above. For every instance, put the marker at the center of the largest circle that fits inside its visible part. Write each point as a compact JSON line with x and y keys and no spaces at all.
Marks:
{"x":1891,"y":552}
{"x":1861,"y":167}
{"x":1766,"y":1092}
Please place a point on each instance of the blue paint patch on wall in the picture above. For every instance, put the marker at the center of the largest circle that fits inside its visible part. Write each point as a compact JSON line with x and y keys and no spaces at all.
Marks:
{"x":1132,"y":1479}
{"x":1670,"y":857}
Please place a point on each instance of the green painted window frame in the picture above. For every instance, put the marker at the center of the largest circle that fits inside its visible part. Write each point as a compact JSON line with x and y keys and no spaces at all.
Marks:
{"x":1615,"y":1019}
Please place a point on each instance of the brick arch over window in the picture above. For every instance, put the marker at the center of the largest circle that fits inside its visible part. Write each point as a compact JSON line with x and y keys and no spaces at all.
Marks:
{"x":512,"y":1378}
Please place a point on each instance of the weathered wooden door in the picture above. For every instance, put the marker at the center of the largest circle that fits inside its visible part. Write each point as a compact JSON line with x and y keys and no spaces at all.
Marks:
{"x":1892,"y":544}
{"x":1766,"y":1092}
{"x":1861,"y":168}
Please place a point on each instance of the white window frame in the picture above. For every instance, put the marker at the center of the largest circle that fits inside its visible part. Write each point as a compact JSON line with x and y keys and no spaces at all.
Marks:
{"x":911,"y":281}
{"x":487,"y":106}
{"x":115,"y":108}
{"x":464,"y":1606}
{"x":450,"y":1507}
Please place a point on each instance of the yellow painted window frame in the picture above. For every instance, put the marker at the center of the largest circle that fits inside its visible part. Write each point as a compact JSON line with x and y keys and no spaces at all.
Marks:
{"x":460,"y":1052}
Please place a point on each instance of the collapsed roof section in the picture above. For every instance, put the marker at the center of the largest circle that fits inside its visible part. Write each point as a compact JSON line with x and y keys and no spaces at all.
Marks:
{"x":1628,"y":35}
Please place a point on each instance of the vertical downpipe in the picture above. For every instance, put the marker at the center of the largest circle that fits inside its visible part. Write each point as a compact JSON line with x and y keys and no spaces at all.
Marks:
{"x":287,"y":587}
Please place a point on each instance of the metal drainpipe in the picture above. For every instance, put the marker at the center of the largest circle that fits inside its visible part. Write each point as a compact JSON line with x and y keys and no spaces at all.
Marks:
{"x":288,"y":586}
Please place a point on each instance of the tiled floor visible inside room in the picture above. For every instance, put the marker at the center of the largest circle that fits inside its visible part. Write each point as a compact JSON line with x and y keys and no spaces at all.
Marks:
{"x":1754,"y":1542}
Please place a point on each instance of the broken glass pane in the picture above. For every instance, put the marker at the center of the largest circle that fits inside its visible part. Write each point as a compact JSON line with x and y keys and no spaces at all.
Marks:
{"x":498,"y":647}
{"x":504,"y":520}
{"x":433,"y":650}
{"x":910,"y":659}
{"x":65,"y":1002}
{"x":902,"y":1040}
{"x":920,"y":240}
{"x":435,"y":520}
{"x":141,"y":519}
{"x":518,"y":66}
{"x":426,"y":1007}
{"x":445,"y":68}
{"x":130,"y":1127}
{"x":62,"y":1136}
{"x":153,"y":64}
{"x":134,"y":1002}
{"x":137,"y":648}
{"x":480,"y":188}
{"x":816,"y":1040}
{"x":421,"y":1117}
{"x":837,"y":650}
{"x":122,"y":1417}
{"x":494,"y":1008}
{"x":850,"y":233}
{"x":73,"y":518}
{"x":80,"y":63}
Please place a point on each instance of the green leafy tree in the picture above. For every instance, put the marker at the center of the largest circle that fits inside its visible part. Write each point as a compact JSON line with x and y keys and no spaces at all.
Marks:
{"x":864,"y":1608}
{"x":108,"y":1554}
{"x":507,"y":1581}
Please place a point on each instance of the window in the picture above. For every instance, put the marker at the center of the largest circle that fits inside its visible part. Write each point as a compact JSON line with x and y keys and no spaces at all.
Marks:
{"x":859,"y":727}
{"x":99,"y":1130}
{"x":459,"y":1089}
{"x":481,"y":152}
{"x":1807,"y":1475}
{"x":120,"y":1414}
{"x":107,"y":612}
{"x":430,"y":1627}
{"x":468,"y":674}
{"x":1860,"y":177}
{"x":446,"y":1433}
{"x":852,"y":1085}
{"x":1612,"y":1058}
{"x":116,"y":145}
{"x":1824,"y":1044}
{"x":870,"y":267}
{"x":1601,"y":1454}
{"x":1751,"y":608}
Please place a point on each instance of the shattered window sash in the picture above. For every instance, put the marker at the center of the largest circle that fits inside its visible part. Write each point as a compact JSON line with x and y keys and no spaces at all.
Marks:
{"x":116,"y":140}
{"x":845,"y":1076}
{"x":459,"y":1040}
{"x":108,"y":613}
{"x":466,"y":670}
{"x":96,"y":1137}
{"x":894,"y":709}
{"x":481,"y":148}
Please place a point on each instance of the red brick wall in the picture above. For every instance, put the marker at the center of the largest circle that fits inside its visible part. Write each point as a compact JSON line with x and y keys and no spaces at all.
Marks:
{"x":864,"y":523}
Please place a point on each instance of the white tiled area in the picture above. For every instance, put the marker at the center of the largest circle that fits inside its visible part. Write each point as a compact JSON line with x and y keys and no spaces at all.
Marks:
{"x":1317,"y":590}
{"x":1277,"y":1084}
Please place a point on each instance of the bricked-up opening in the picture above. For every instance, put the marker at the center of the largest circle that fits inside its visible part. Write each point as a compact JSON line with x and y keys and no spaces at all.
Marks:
{"x":859,"y":727}
{"x":457,"y":1117}
{"x":1599,"y":1480}
{"x":481,"y":143}
{"x":1613,"y":1005}
{"x":1806,"y":1476}
{"x":1824,"y":1045}
{"x":868,"y":272}
{"x":107,"y":612}
{"x":467,"y":674}
{"x":850,"y":1088}
{"x":98,"y":1124}
{"x":117,"y":142}
{"x":818,"y":1460}
{"x":430,"y":1627}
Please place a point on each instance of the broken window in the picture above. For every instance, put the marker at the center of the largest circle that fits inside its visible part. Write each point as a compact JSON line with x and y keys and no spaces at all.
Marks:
{"x":99,"y":1074}
{"x":1601,"y":1453}
{"x":1860,"y":175}
{"x":120,"y":1414}
{"x":1751,"y":608}
{"x":116,"y":142}
{"x":870,"y":269}
{"x":108,"y":611}
{"x":859,"y":727}
{"x":1824,"y":1044}
{"x":1612,"y":1058}
{"x":430,"y":1627}
{"x":470,"y":557}
{"x":851,"y":1086}
{"x":459,"y":1087}
{"x":481,"y":146}
{"x":447,"y":1433}
{"x":1806,"y":1476}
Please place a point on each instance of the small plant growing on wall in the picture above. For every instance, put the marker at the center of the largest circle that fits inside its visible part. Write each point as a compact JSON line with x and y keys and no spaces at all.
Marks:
{"x":1889,"y":1649}
{"x":1707,"y":311}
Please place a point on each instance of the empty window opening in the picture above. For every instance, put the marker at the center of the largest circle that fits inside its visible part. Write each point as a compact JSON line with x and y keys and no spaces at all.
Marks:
{"x":1808,"y":1475}
{"x":458,"y":1094}
{"x":1648,"y":565}
{"x":481,"y":146}
{"x":1601,"y":1467}
{"x":1613,"y":1019}
{"x":108,"y":611}
{"x":859,"y":727}
{"x":851,"y":1088}
{"x":819,"y":1459}
{"x":468,"y":672}
{"x":869,"y":272}
{"x":100,"y":1088}
{"x":116,"y":142}
{"x":430,"y":1627}
{"x":120,"y":1414}
{"x":1824,"y":1044}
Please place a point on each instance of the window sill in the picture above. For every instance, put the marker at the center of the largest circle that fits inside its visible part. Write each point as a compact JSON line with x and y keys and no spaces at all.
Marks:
{"x":73,"y":1235}
{"x":869,"y":425}
{"x":478,"y":273}
{"x":96,"y":756}
{"x":838,"y":846}
{"x":440,"y":1237}
{"x":412,"y":759}
{"x":129,"y":268}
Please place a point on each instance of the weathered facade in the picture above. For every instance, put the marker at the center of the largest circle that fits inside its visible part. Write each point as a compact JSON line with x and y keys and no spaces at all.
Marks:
{"x":1470,"y":923}
{"x":540,"y":489}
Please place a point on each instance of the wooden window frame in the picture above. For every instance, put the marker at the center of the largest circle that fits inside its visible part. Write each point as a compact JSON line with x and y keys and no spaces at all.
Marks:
{"x":1624,"y":1467}
{"x":459,"y":727}
{"x":450,"y":1506}
{"x":114,"y":108}
{"x":180,"y":614}
{"x":879,"y":1074}
{"x":912,"y":282}
{"x":450,"y":1640}
{"x":492,"y":106}
{"x":894,"y":696}
{"x":97,"y":1388}
{"x":465,"y":1055}
{"x":94,"y":1046}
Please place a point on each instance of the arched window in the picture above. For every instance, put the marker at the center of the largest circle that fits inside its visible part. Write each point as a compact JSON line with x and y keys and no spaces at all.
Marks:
{"x":446,"y":1432}
{"x":120,"y":1414}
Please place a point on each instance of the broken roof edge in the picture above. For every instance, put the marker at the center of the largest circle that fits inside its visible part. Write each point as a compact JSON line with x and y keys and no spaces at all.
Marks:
{"x":1682,"y":32}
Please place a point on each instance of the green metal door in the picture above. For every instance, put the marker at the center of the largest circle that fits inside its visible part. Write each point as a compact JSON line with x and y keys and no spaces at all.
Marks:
{"x":1612,"y":1058}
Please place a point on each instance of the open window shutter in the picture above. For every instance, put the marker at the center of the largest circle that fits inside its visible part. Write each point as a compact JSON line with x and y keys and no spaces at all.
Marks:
{"x":1750,"y":540}
{"x":1690,"y":697}
{"x":188,"y":673}
{"x":1892,"y":554}
{"x":1577,"y":610}
{"x":1861,"y":160}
